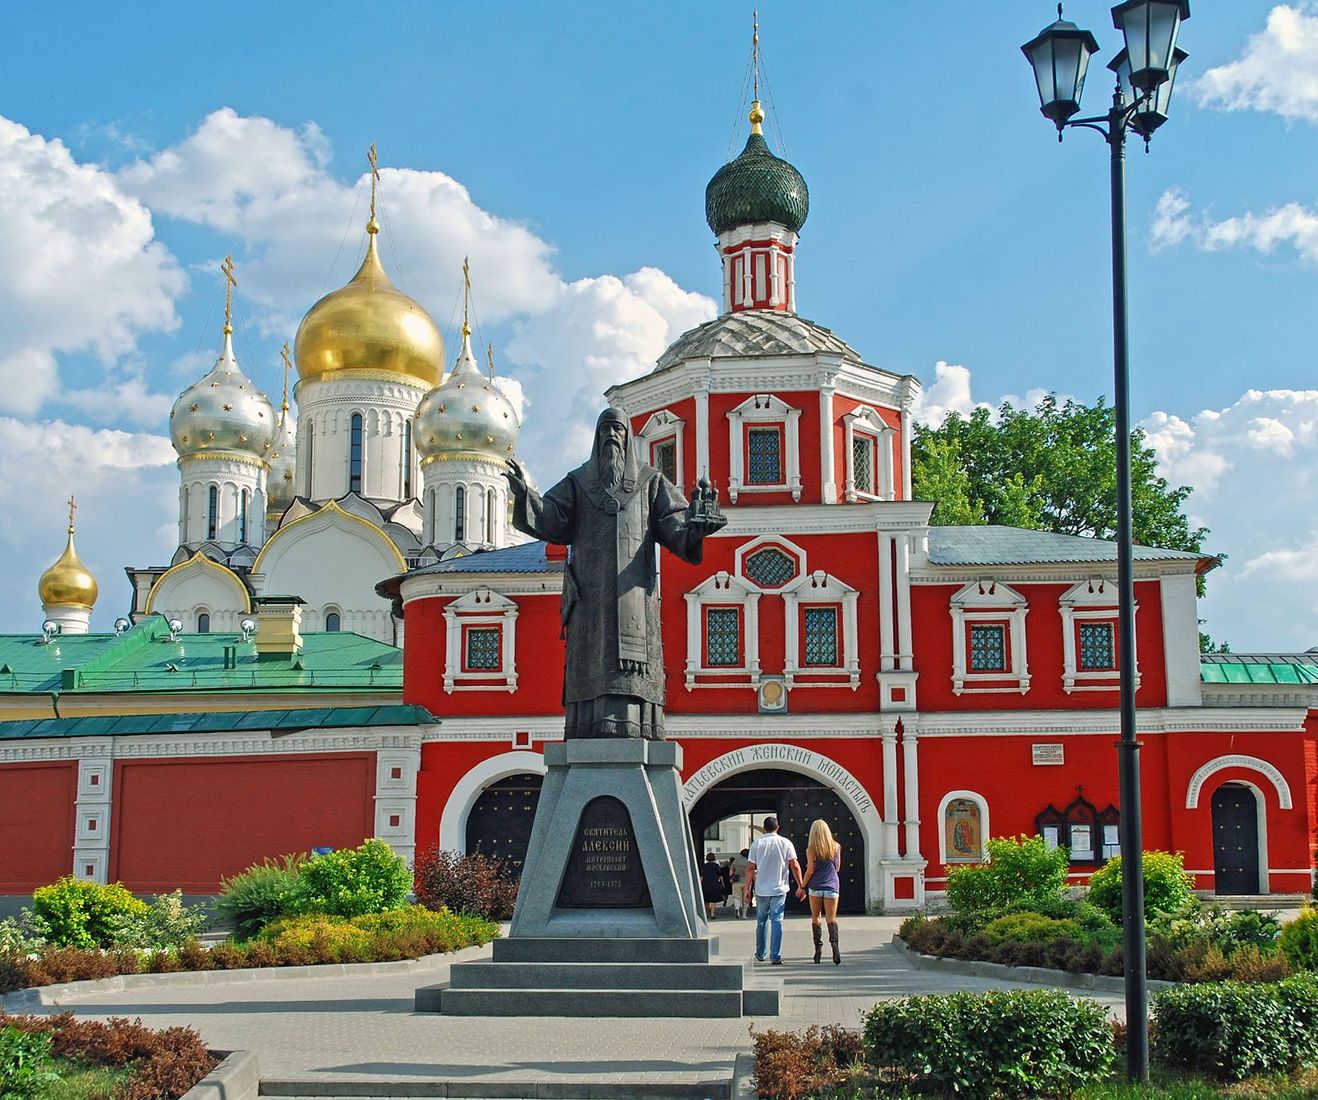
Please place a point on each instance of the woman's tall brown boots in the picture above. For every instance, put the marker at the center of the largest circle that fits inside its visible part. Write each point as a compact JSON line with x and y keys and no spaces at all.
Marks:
{"x":832,"y":939}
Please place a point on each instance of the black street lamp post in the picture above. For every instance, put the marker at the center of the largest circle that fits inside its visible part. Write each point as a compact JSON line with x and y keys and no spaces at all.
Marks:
{"x":1146,"y":71}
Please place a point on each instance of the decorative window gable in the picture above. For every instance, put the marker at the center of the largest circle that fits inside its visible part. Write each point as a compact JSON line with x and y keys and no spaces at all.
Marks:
{"x":869,"y":456}
{"x":988,"y":639}
{"x":820,"y":620}
{"x":481,"y":643}
{"x":764,"y":447}
{"x":769,"y":562}
{"x":661,"y":437}
{"x":1090,"y":637}
{"x":1088,"y":835}
{"x":722,"y":639}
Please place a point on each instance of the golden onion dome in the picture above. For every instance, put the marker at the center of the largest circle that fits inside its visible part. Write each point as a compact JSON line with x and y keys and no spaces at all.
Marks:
{"x":467,"y":416}
{"x":68,"y":583}
{"x":369,"y":329}
{"x":223,"y":411}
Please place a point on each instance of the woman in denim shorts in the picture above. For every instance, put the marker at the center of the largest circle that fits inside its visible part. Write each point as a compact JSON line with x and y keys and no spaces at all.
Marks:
{"x":823,"y":861}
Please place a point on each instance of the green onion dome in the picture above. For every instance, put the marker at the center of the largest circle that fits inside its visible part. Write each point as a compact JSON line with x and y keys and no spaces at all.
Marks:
{"x":756,"y":187}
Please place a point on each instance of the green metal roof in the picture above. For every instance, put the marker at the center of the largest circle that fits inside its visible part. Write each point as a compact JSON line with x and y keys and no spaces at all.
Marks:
{"x":276,"y":721}
{"x":756,"y":187}
{"x":1259,"y":668}
{"x":145,"y":658}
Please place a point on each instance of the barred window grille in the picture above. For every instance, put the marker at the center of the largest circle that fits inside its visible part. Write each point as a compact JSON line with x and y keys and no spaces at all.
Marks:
{"x":821,"y":648}
{"x":723,"y":637}
{"x":663,"y":456}
{"x":988,"y":649}
{"x":1097,"y":650}
{"x":770,"y":567}
{"x":483,"y":645}
{"x":862,"y":464}
{"x":764,"y":456}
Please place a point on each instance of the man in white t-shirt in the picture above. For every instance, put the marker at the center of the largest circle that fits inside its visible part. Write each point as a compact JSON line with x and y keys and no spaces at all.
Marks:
{"x":767,"y":866}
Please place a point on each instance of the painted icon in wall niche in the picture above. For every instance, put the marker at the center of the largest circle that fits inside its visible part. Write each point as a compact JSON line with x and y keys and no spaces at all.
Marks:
{"x":964,"y":831}
{"x":773,"y":695}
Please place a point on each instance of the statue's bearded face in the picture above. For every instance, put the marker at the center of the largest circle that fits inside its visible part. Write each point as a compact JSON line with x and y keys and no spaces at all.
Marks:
{"x":612,"y":437}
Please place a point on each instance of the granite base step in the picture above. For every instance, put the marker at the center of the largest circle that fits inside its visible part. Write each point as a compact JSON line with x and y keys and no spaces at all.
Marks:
{"x":597,"y":975}
{"x":630,"y":1002}
{"x":540,"y":949}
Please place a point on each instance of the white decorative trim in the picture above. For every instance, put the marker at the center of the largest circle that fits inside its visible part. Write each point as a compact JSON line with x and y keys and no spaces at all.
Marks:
{"x":662,"y":425}
{"x":480,"y":608}
{"x":807,"y":762}
{"x":1063,"y":722}
{"x":1090,"y":601}
{"x":984,"y":833}
{"x":255,"y":743}
{"x":746,"y":549}
{"x":821,"y":588}
{"x":91,"y":846}
{"x":990,"y":602}
{"x":723,"y":590}
{"x":1237,"y":760}
{"x":764,"y":408}
{"x":453,"y":821}
{"x":866,"y":422}
{"x":911,"y":776}
{"x":395,"y":799}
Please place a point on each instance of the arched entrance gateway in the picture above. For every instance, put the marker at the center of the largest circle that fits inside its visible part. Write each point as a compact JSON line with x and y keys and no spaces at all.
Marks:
{"x":499,"y":823}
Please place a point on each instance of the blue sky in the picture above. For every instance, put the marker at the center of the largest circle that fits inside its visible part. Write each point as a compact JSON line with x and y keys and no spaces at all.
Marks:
{"x":566,"y":148}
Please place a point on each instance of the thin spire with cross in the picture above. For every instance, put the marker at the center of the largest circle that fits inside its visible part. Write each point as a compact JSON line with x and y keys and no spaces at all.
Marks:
{"x":757,"y":112}
{"x":288,"y":366}
{"x":73,"y":507}
{"x":466,"y":296}
{"x":489,"y":356}
{"x":229,"y":283}
{"x":372,"y":226}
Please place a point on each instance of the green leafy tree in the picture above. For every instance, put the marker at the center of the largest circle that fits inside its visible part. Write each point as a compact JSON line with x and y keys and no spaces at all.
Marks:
{"x":1050,"y":469}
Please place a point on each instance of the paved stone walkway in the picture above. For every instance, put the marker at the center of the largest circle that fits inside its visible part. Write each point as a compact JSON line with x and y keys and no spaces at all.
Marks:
{"x":365,"y":1027}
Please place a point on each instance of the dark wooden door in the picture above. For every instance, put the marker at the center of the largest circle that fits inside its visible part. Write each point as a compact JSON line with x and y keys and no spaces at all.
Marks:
{"x":797,"y":801}
{"x":1235,"y":840}
{"x":500,"y":823}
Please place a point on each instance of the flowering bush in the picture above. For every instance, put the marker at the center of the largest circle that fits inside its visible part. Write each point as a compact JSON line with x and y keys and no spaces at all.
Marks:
{"x":74,"y":913}
{"x":477,"y":884}
{"x":166,"y":922}
{"x":352,"y":882}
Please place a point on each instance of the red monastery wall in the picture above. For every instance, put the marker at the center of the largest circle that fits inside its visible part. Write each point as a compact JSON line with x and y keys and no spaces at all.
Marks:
{"x":842,"y":460}
{"x":36,"y":824}
{"x":190,"y":822}
{"x":720,"y":404}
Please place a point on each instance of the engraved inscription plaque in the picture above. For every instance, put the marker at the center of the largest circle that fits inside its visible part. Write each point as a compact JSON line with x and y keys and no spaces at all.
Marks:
{"x":604,"y":870}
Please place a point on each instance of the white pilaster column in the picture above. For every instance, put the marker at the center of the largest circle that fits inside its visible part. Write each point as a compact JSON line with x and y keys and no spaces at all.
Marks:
{"x":906,"y":453}
{"x":887,"y":662}
{"x":904,"y":654}
{"x":888,"y":727}
{"x":397,"y":763}
{"x":91,"y":842}
{"x":701,"y":387}
{"x":910,"y":764}
{"x":827,"y":473}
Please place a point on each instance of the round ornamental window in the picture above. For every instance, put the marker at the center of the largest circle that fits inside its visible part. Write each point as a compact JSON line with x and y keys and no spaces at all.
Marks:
{"x":770,"y":567}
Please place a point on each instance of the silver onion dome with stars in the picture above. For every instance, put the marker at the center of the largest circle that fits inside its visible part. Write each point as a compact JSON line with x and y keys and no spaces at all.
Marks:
{"x":222,"y":412}
{"x":466,"y":415}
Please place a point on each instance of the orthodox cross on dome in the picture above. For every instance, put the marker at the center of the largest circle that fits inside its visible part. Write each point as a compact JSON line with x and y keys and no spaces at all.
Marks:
{"x":372,"y":226}
{"x":288,"y":366}
{"x":489,"y":355}
{"x":229,"y":283}
{"x":466,"y":296}
{"x":757,"y":112}
{"x":73,"y":507}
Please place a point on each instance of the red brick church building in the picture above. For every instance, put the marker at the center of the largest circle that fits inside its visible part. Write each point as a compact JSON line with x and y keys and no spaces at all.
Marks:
{"x":922,"y":688}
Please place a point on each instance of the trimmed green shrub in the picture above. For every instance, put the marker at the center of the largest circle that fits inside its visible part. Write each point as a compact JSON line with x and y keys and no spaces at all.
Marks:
{"x":253,"y":898}
{"x":1029,"y":927}
{"x":352,"y":882}
{"x":27,"y":1067}
{"x":74,"y":913}
{"x":166,"y":922}
{"x":474,"y":883}
{"x":1020,"y":870}
{"x":1234,"y":1030}
{"x":1167,"y":888}
{"x":1226,"y":929}
{"x":1029,"y":1043}
{"x":1299,"y":940}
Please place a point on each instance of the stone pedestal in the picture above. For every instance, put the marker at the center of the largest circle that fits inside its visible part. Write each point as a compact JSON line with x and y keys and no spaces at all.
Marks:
{"x":609,"y":918}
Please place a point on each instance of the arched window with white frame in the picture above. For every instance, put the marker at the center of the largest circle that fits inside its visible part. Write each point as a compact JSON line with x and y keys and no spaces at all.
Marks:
{"x":988,"y":639}
{"x":764,"y":447}
{"x":868,"y":447}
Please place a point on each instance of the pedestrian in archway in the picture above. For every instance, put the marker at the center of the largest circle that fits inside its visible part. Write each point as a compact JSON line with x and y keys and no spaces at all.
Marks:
{"x":711,"y":884}
{"x":823,"y":861}
{"x":738,"y":871}
{"x":771,"y":858}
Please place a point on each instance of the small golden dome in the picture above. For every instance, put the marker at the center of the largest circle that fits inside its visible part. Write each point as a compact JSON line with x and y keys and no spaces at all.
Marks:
{"x":369,"y":326}
{"x":68,"y":583}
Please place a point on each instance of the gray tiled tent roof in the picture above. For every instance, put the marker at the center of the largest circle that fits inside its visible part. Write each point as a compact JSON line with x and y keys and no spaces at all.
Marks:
{"x":1018,"y":546}
{"x":753,"y":333}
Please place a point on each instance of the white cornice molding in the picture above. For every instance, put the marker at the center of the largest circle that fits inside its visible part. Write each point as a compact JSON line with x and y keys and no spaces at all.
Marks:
{"x":1044,"y":572}
{"x":1260,"y":695}
{"x":891,"y":516}
{"x":1060,"y":723}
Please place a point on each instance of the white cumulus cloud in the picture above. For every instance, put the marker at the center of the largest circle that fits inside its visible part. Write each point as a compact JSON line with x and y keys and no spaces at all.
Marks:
{"x":1277,"y":72}
{"x":1293,"y":224}
{"x":80,"y":268}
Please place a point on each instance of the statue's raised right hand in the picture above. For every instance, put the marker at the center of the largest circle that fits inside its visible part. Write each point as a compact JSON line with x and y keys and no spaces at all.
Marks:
{"x":516,"y":475}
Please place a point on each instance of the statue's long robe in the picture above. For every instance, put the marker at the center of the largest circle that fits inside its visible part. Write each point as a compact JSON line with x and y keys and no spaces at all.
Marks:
{"x":613,"y":683}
